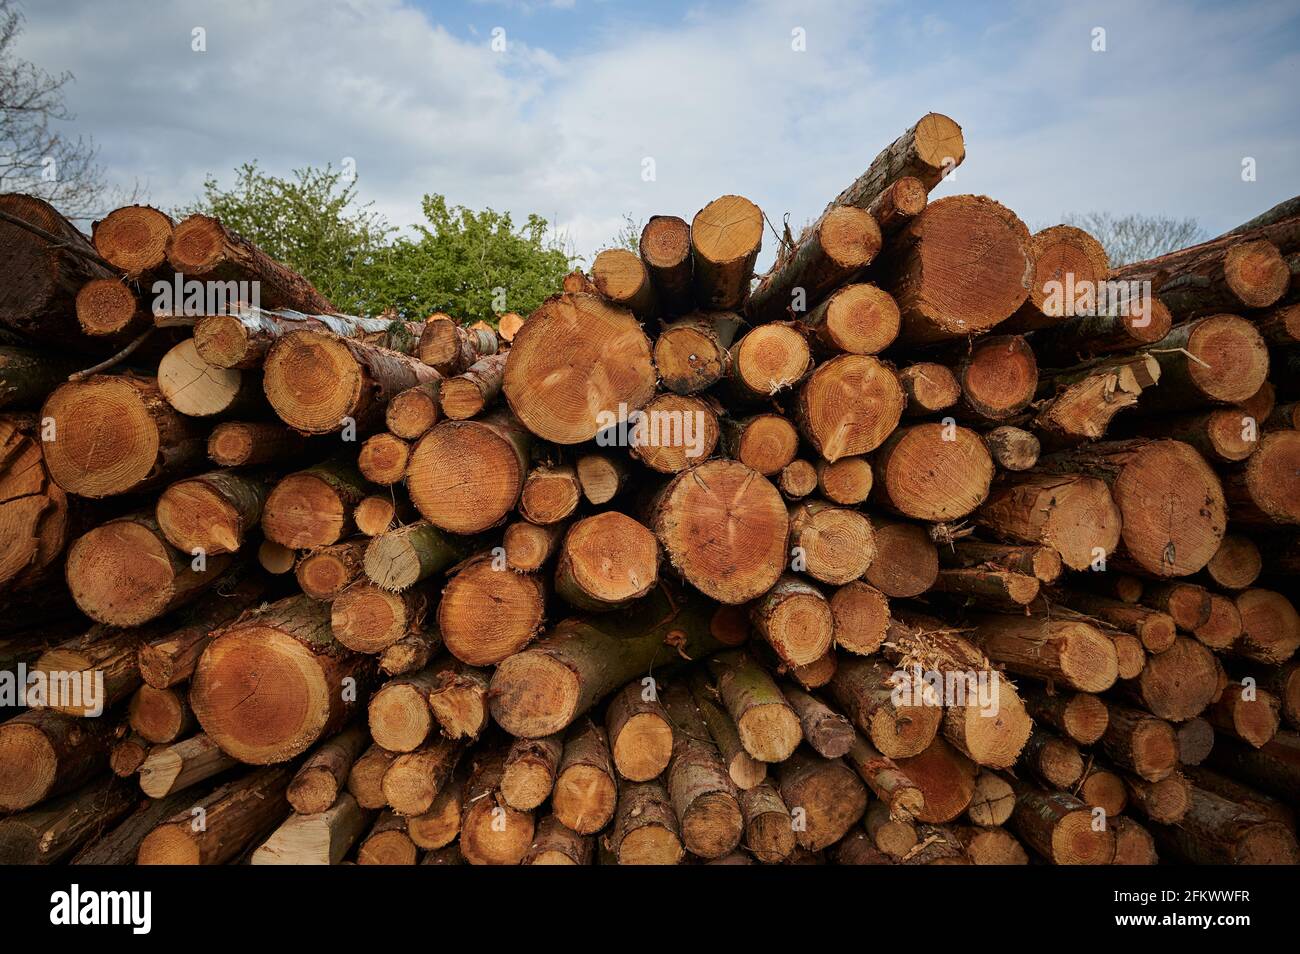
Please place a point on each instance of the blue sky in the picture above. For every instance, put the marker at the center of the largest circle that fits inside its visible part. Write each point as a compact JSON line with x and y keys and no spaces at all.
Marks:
{"x":562,"y":121}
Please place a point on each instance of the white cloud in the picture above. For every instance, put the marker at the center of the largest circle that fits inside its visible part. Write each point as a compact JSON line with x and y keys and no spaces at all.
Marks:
{"x":719,"y":100}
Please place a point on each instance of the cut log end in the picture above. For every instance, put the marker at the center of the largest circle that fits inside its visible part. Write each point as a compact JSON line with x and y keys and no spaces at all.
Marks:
{"x":313,"y":381}
{"x":106,"y":306}
{"x":133,"y":239}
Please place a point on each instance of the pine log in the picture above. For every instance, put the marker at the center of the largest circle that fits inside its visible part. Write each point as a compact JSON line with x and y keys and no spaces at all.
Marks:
{"x":450,"y":348}
{"x":678,"y":431}
{"x":990,"y":846}
{"x":825,"y":798}
{"x":1216,"y":360}
{"x":1251,"y":798}
{"x":998,"y":376}
{"x":48,"y":834}
{"x":993,"y":801}
{"x":743,"y":769}
{"x":160,"y":715}
{"x":528,"y":546}
{"x":1060,"y":828}
{"x":769,"y":832}
{"x":366,"y":618}
{"x":769,"y":727}
{"x":470,"y":392}
{"x":1171,"y":503}
{"x":400,"y":558}
{"x":856,"y":848}
{"x":1040,"y":562}
{"x":235,"y":816}
{"x":576,"y":366}
{"x":795,"y":619}
{"x":1079,"y":404}
{"x":1119,"y":327}
{"x":273,"y":683}
{"x":323,"y":775}
{"x":241,"y":339}
{"x":723,"y":500}
{"x":1221,"y":435}
{"x":530,"y":771}
{"x":212,"y":512}
{"x":703,"y":796}
{"x":907,"y":561}
{"x":411,"y":653}
{"x":959,"y":268}
{"x":621,"y":276}
{"x":376,"y":514}
{"x":831,"y":544}
{"x":934,"y":472}
{"x":1249,"y":713}
{"x":1054,"y":760}
{"x":387,"y":843}
{"x":601,"y":477}
{"x":857,"y":318}
{"x":321,"y":383}
{"x":1064,"y":257}
{"x":1140,"y":742}
{"x":726,"y":236}
{"x":846,"y":481}
{"x":201,"y":247}
{"x":491,"y":832}
{"x":646,"y":831}
{"x":692,"y":353}
{"x":1195,"y":741}
{"x":465,"y":476}
{"x":415,"y":778}
{"x":37,"y":303}
{"x":45,"y":753}
{"x":1080,"y":716}
{"x":1179,"y":683}
{"x":460,"y":699}
{"x":1013,"y":448}
{"x":169,"y":659}
{"x":929,"y":388}
{"x":508,"y":326}
{"x":586,"y":791}
{"x":889,"y":783}
{"x":551,"y":493}
{"x":1074,"y":515}
{"x":1264,"y":491}
{"x":849,"y":405}
{"x":247,"y":443}
{"x":1069,"y":652}
{"x":1153,"y":627}
{"x":488,"y":612}
{"x":927,"y":152}
{"x":323,"y":838}
{"x":665,"y":248}
{"x":1223,"y":626}
{"x":1217,"y":831}
{"x":828,"y":253}
{"x":1133,"y":844}
{"x":133,"y":239}
{"x":1224,"y":274}
{"x":120,"y":845}
{"x":886,"y":705}
{"x":828,"y":733}
{"x":116,"y":434}
{"x":128,"y":754}
{"x":1165,"y":801}
{"x":366,"y":776}
{"x":383,"y":459}
{"x":554,"y":844}
{"x":945,"y":778}
{"x":640,"y":735}
{"x":1270,"y":627}
{"x":606,"y":561}
{"x":398,"y":715}
{"x":440,"y":825}
{"x":797,"y":480}
{"x":124,"y":573}
{"x":767,"y":360}
{"x":313,"y":507}
{"x":900,"y":202}
{"x":175,"y":767}
{"x":412,"y":412}
{"x":325,"y":572}
{"x":196,"y":389}
{"x":1273,"y":768}
{"x":895,"y":837}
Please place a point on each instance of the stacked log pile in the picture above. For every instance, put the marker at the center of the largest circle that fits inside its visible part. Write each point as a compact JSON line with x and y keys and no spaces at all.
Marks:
{"x":941,"y":542}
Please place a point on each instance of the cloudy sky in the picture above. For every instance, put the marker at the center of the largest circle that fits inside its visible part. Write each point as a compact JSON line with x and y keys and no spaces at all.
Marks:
{"x":717,"y":94}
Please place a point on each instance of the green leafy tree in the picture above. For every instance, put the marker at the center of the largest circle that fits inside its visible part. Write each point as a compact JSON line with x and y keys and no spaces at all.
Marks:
{"x":312,"y":222}
{"x":471,"y":265}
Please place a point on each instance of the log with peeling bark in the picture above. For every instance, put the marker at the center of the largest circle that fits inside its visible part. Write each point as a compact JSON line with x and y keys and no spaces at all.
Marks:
{"x":415,"y":778}
{"x":530,"y":770}
{"x":460,"y":699}
{"x":322,"y":383}
{"x":586,"y":790}
{"x":927,"y":152}
{"x":646,"y":831}
{"x":323,"y":775}
{"x":241,"y":337}
{"x":474,"y":389}
{"x":401,"y":558}
{"x":1068,"y":652}
{"x":1080,"y":404}
{"x":898,"y":724}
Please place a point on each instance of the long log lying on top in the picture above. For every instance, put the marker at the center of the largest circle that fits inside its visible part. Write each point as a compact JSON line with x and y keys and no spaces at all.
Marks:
{"x":1224,"y":274}
{"x":242,"y":338}
{"x":928,"y":152}
{"x":200,"y":247}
